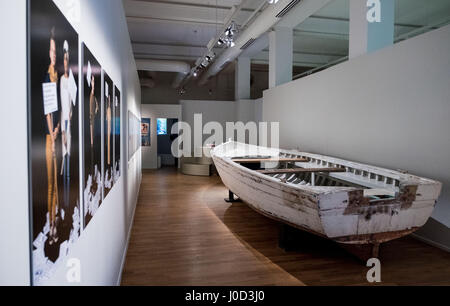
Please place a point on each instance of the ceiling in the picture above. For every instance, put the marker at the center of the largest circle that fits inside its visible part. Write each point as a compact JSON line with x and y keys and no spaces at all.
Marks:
{"x":181,"y":29}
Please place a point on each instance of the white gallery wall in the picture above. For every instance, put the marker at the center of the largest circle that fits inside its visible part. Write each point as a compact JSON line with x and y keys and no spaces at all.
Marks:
{"x":155,"y":111}
{"x":390,"y":108}
{"x":218,"y":111}
{"x":221,"y":112}
{"x":14,"y":222}
{"x":101,"y":247}
{"x":248,"y":110}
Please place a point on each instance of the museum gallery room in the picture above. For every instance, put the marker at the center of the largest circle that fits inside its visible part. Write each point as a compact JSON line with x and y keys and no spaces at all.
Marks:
{"x":237,"y":143}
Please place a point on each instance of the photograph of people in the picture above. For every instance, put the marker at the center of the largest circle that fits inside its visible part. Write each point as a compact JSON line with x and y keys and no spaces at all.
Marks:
{"x":53,"y":126}
{"x":66,"y":118}
{"x":144,"y":128}
{"x":117,"y":135}
{"x":93,"y":183}
{"x":54,"y":138}
{"x":108,"y":129}
{"x":93,"y":110}
{"x":108,"y":125}
{"x":145,"y":132}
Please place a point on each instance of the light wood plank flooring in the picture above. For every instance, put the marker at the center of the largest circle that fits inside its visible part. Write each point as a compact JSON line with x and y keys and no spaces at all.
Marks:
{"x":185,"y":234}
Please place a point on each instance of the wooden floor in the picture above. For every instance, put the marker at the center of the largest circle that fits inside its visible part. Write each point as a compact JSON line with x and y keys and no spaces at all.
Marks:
{"x":185,"y":234}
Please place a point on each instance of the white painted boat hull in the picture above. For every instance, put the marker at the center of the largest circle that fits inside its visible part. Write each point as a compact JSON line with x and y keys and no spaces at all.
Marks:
{"x":343,"y":214}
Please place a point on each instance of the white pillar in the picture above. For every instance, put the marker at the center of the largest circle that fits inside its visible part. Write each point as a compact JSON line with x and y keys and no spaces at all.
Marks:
{"x":242,"y":78}
{"x":280,"y":56}
{"x":371,"y":25}
{"x":358,"y":28}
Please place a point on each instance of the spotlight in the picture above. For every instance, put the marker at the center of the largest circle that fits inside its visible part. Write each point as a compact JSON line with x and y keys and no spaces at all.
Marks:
{"x":205,"y":63}
{"x":195,"y":74}
{"x":233,"y":28}
{"x":220,"y":42}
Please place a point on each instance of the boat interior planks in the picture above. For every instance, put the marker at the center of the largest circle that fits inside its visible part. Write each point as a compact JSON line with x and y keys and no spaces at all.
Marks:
{"x":300,"y":170}
{"x":268,"y":160}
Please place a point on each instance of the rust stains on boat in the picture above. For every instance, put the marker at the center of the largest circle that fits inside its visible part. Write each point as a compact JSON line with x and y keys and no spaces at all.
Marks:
{"x":356,"y":199}
{"x":408,"y":196}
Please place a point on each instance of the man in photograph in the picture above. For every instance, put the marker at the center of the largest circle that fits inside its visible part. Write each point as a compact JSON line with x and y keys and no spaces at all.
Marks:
{"x":66,"y":118}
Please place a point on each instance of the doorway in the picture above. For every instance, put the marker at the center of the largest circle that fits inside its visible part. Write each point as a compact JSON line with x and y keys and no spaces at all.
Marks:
{"x":165,"y":140}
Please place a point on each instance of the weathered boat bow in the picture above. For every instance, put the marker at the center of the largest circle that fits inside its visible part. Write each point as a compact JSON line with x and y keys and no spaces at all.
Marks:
{"x":351,"y":203}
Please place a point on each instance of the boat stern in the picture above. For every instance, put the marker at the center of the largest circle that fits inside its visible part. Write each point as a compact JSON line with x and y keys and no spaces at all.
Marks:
{"x":354,"y":218}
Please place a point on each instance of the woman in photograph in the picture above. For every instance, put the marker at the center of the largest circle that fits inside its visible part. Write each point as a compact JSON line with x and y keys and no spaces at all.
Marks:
{"x":66,"y":118}
{"x":52,"y":131}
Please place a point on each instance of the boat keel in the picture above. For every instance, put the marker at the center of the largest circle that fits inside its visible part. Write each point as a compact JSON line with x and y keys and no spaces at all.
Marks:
{"x":231,"y":198}
{"x":363,"y":252}
{"x":294,"y":239}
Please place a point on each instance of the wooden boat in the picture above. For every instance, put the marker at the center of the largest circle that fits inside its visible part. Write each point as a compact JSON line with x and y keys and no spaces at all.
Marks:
{"x":358,"y":206}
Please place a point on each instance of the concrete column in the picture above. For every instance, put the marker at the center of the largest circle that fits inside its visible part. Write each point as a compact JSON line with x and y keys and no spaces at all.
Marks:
{"x":242,"y":78}
{"x":280,"y":56}
{"x":358,"y":28}
{"x":371,"y":26}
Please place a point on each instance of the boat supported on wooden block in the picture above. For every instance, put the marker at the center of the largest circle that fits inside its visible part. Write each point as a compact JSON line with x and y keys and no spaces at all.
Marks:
{"x":356,"y":205}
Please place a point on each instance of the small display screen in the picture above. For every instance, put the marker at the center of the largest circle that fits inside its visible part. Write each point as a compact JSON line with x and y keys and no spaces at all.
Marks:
{"x":162,"y":126}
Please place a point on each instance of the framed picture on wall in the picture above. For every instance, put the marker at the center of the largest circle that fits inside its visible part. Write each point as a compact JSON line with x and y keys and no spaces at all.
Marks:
{"x":108,"y":150}
{"x":161,"y":126}
{"x":145,"y":132}
{"x":131,"y":124}
{"x":130,"y":133}
{"x":54,"y":137}
{"x":134,"y":134}
{"x":92,"y":97}
{"x":117,"y":134}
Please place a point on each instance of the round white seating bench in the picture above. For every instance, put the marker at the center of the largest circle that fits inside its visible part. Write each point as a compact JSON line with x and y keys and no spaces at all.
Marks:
{"x":197,"y":166}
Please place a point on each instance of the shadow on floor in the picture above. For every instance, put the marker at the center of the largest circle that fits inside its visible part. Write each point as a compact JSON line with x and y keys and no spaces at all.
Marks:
{"x":317,"y":261}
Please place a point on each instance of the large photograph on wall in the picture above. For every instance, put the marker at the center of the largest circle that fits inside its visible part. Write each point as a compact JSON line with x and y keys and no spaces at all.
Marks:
{"x":93,"y":187}
{"x":108,"y":139}
{"x":54,"y":143}
{"x":117,"y":136}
